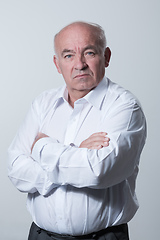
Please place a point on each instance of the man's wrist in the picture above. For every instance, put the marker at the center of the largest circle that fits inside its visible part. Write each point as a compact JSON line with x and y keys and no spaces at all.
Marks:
{"x":39,"y":145}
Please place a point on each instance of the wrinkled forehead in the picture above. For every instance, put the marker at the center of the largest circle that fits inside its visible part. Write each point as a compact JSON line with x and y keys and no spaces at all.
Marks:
{"x":76,"y":36}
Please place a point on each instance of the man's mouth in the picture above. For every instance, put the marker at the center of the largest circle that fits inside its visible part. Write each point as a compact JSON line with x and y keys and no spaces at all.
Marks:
{"x":82,"y":75}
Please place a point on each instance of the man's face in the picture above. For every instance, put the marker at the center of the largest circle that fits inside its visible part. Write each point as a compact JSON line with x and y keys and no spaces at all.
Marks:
{"x":79,"y":59}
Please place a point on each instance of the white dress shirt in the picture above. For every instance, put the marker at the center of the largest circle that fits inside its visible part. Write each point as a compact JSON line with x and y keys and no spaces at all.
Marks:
{"x":74,"y":190}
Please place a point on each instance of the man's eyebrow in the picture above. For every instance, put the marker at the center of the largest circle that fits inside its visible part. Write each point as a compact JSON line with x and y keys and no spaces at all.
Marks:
{"x":66,"y":51}
{"x":93,"y":47}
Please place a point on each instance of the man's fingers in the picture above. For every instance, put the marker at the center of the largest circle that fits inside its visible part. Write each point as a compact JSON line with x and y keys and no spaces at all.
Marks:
{"x":99,"y":139}
{"x":99,"y":134}
{"x":96,"y":141}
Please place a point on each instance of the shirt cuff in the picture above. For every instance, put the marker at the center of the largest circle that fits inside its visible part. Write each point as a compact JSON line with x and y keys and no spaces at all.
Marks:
{"x":39,"y":145}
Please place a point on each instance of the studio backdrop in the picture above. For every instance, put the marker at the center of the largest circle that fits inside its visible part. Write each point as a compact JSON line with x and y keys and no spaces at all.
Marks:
{"x":27,"y":29}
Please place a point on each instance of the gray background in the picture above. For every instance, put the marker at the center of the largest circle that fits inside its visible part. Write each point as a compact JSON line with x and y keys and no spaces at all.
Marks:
{"x":27,"y":28}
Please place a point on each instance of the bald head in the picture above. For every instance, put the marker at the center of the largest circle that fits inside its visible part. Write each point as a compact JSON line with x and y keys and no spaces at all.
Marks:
{"x":95,"y":31}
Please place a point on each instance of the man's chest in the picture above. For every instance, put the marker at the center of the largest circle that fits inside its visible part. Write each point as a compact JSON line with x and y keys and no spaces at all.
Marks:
{"x":69,"y":125}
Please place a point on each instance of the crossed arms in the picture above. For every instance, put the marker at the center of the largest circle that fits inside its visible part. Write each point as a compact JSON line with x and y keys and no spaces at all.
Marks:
{"x":95,"y":141}
{"x":99,"y":162}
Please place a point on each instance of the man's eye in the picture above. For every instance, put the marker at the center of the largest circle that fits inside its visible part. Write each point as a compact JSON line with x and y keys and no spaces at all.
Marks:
{"x":68,"y":56}
{"x":92,"y":54}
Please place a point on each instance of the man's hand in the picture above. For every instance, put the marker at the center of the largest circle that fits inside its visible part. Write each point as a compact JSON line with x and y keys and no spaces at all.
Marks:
{"x":39,"y":136}
{"x":96,"y":141}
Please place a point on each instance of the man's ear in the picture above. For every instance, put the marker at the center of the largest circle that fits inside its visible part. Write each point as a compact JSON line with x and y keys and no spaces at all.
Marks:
{"x":55,"y":60}
{"x":107,"y":56}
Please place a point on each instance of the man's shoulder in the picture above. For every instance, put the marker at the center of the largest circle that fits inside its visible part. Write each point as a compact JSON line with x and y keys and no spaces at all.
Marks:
{"x":117,"y":97}
{"x":120,"y":93}
{"x":49,"y":94}
{"x":48,"y":98}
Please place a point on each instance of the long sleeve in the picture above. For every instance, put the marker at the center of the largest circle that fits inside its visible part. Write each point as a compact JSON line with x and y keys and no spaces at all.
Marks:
{"x":24,"y":172}
{"x":102,"y":168}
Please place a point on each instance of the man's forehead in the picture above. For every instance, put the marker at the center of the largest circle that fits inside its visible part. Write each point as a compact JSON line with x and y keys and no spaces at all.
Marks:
{"x":77,"y":36}
{"x":76,"y":40}
{"x":77,"y":32}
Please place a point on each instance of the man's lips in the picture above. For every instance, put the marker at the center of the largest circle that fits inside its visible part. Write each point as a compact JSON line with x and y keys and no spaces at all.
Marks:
{"x":82,"y":75}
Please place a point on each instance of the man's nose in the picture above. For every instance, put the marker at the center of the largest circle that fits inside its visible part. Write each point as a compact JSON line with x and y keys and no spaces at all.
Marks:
{"x":80,"y":63}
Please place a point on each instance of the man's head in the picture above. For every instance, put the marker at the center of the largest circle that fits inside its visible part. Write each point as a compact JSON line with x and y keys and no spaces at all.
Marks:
{"x":81,"y":57}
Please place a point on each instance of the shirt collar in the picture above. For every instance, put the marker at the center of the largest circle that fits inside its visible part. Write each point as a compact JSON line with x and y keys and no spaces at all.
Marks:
{"x":60,"y":96}
{"x":94,"y":97}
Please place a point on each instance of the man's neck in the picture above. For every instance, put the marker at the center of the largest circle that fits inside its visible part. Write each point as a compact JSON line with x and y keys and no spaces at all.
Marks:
{"x":73,"y":97}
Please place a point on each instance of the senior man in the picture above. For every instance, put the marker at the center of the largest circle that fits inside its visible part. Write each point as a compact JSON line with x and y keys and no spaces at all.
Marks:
{"x":78,"y":150}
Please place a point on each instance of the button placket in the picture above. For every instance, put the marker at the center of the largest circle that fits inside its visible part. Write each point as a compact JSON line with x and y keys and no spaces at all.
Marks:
{"x":72,"y":124}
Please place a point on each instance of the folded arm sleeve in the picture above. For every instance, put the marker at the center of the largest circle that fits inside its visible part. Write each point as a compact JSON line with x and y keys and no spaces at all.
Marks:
{"x":102,"y":168}
{"x":24,"y":172}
